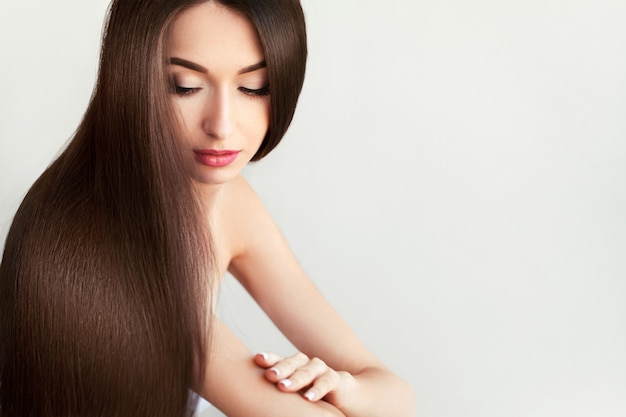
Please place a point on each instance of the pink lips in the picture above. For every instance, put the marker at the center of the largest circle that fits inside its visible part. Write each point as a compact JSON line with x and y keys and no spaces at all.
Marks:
{"x":214,"y":158}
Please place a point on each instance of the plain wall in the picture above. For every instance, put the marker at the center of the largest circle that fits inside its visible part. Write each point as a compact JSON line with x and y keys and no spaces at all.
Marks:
{"x":454,"y":182}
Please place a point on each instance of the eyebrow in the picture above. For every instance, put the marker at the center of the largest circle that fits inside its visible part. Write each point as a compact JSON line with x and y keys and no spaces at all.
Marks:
{"x":253,"y":67}
{"x":199,"y":68}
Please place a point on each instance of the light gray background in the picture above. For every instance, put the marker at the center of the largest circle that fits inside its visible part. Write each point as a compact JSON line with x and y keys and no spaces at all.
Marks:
{"x":454,"y":182}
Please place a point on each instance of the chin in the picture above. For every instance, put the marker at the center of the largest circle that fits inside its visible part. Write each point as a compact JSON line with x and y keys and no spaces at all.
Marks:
{"x":217,"y":177}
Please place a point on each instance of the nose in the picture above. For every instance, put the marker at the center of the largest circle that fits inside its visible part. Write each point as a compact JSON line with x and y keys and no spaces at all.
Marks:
{"x":217,"y":120}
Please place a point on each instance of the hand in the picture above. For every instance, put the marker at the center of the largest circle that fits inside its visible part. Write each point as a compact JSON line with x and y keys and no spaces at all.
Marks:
{"x":311,"y":377}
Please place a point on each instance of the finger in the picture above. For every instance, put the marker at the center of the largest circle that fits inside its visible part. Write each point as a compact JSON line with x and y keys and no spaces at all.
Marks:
{"x":303,"y":376}
{"x":286,"y":367}
{"x":324,"y":384}
{"x":266,"y":359}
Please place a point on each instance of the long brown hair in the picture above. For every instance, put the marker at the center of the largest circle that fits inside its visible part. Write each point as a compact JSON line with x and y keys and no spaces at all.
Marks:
{"x":106,"y":276}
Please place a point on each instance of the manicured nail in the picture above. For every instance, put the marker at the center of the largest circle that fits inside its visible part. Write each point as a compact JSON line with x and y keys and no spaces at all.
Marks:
{"x":310,"y":395}
{"x":285,"y":383}
{"x":265,"y":356}
{"x":274,"y":371}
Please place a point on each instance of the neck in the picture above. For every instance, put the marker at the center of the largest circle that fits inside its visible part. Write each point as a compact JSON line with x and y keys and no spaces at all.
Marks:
{"x":208,"y":193}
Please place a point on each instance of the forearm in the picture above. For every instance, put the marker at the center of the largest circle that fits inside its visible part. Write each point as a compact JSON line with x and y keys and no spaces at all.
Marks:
{"x":257,"y":398}
{"x":377,"y":392}
{"x":236,"y":386}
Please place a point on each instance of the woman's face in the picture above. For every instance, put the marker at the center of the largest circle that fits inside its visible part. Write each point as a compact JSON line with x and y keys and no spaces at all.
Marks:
{"x":217,"y":67}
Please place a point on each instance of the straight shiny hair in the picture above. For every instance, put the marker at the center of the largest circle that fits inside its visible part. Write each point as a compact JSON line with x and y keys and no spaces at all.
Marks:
{"x":107,"y":275}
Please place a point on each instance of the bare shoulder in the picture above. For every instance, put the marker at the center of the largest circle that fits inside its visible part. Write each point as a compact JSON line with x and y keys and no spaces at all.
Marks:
{"x":241,"y":215}
{"x":238,"y":198}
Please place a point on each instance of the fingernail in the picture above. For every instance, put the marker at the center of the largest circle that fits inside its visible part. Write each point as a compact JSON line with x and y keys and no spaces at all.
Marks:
{"x":274,"y":371}
{"x":310,"y":395}
{"x":285,"y":383}
{"x":265,"y":356}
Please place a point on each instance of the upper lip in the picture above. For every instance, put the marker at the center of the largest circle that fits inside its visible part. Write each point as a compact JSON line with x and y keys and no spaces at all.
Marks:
{"x":215,"y":152}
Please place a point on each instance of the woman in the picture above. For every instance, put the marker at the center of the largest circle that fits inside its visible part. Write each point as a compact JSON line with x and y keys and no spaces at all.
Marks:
{"x":114,"y":257}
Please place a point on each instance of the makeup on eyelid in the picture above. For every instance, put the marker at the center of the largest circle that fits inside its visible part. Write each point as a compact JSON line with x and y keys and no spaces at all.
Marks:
{"x":219,"y":86}
{"x":181,"y":87}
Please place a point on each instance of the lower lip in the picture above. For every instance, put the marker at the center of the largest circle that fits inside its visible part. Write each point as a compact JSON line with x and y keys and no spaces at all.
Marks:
{"x":216,"y":160}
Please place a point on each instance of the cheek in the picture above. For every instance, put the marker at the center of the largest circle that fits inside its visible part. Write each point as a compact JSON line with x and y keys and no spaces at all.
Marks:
{"x":263,"y":118}
{"x":185,"y":115}
{"x":253,"y":118}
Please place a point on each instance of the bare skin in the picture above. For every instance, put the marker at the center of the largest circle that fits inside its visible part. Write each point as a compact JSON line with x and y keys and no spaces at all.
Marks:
{"x":223,"y":106}
{"x":339,"y":369}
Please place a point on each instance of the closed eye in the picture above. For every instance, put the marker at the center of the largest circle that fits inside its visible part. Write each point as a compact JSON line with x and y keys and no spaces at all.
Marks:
{"x":185,"y":91}
{"x":264,"y":91}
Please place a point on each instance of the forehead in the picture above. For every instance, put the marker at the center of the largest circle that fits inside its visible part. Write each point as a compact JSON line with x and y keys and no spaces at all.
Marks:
{"x":213,"y":35}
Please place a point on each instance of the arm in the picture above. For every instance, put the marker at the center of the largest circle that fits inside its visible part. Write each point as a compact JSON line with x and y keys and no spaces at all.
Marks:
{"x":237,"y":387}
{"x":266,"y":267}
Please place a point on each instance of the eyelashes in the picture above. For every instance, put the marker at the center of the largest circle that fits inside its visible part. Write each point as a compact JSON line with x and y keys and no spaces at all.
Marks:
{"x":259,"y":92}
{"x":184,"y":91}
{"x":253,"y":92}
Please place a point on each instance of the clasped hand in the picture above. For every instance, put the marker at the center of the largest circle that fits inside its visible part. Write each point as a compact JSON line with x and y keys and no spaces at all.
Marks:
{"x":312,"y":378}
